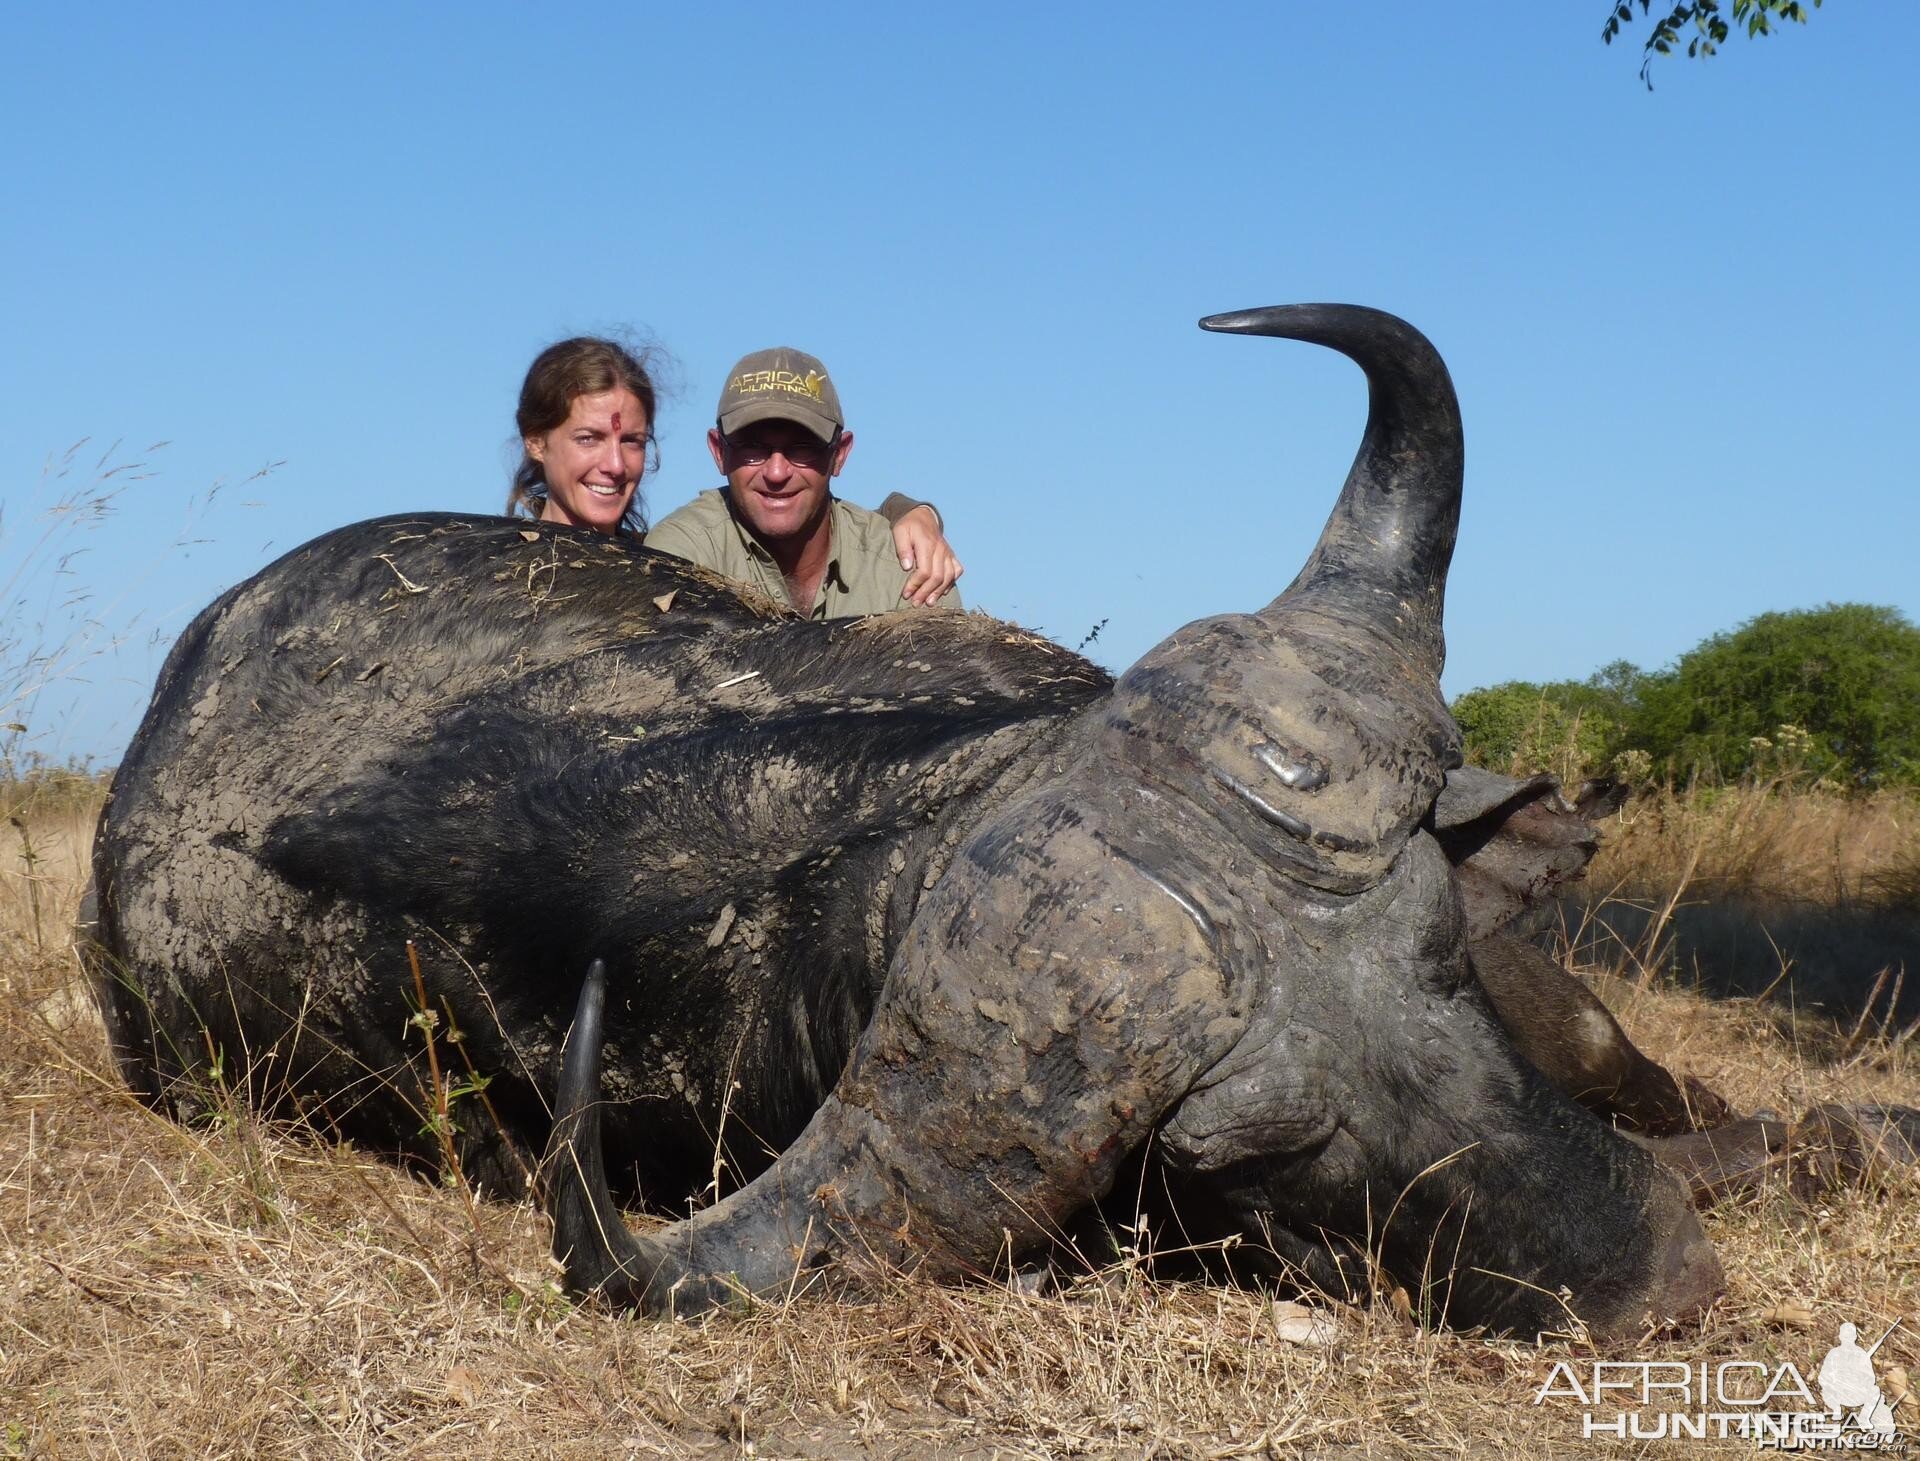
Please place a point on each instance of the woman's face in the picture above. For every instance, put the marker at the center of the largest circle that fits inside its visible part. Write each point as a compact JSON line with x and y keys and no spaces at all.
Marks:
{"x":593,"y":460}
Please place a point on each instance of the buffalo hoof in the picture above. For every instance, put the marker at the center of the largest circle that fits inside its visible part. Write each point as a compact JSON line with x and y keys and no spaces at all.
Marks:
{"x":1730,"y":1161}
{"x":1706,"y":1107}
{"x":1830,"y":1148}
{"x":1833,"y":1147}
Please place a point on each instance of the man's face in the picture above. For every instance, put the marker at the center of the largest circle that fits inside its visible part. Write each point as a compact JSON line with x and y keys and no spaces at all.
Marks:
{"x":778,"y":474}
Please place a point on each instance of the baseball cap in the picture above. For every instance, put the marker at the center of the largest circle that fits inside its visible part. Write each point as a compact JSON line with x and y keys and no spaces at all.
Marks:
{"x":781,"y":384}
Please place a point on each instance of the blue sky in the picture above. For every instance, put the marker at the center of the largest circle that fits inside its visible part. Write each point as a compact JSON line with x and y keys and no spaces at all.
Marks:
{"x":1681,"y":323}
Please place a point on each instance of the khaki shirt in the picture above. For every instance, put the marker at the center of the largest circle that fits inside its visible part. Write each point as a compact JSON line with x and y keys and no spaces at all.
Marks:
{"x":863,"y":574}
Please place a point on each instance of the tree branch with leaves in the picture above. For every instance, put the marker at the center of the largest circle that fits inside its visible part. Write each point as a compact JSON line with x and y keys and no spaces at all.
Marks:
{"x":1703,"y":25}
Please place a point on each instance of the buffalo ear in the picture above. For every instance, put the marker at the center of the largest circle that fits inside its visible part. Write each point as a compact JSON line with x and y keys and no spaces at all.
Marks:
{"x":1513,"y":845}
{"x":386,"y":840}
{"x":447,"y":831}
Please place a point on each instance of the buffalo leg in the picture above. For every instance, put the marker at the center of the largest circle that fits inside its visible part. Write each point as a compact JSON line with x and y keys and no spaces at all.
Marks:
{"x":1572,"y":1039}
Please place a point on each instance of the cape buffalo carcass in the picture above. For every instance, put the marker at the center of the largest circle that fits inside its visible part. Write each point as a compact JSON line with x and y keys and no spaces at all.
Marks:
{"x":928,"y":907}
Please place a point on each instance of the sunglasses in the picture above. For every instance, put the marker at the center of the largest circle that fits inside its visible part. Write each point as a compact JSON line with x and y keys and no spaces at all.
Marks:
{"x":814,"y":455}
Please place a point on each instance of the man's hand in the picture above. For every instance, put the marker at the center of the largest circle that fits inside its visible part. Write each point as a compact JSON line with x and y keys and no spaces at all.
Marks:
{"x":926,"y":555}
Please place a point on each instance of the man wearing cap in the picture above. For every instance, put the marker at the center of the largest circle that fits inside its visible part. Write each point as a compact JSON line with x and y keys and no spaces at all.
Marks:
{"x":776,"y":526}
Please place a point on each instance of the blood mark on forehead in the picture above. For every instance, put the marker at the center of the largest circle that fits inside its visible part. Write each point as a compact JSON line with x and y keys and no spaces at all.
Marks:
{"x":616,"y":423}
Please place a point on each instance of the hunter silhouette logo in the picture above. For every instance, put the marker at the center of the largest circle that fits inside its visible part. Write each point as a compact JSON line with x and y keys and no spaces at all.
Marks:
{"x":1848,"y":1386}
{"x":1769,"y":1404}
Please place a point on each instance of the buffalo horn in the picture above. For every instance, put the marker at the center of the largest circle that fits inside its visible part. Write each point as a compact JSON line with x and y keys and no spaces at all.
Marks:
{"x":590,"y":1238}
{"x":1382,"y":558}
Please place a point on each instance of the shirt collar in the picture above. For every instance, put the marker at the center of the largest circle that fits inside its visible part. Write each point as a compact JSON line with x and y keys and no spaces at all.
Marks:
{"x":837,"y":533}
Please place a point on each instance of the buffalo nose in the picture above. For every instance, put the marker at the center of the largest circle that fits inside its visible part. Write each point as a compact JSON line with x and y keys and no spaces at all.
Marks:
{"x":1684,"y":1276}
{"x":1690,"y":1275}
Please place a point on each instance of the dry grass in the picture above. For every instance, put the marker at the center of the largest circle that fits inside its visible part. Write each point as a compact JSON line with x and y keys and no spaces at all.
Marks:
{"x":1811,"y":895}
{"x":240,"y":1290}
{"x":1770,"y":843}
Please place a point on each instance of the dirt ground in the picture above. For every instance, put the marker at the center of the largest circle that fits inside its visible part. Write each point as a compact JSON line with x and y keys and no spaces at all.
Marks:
{"x":237,"y":1290}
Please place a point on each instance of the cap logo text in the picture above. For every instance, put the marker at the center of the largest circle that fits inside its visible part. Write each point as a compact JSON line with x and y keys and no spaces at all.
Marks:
{"x":756,"y":382}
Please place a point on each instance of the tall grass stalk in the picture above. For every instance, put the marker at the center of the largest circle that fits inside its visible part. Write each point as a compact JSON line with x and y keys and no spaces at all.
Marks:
{"x":55,"y":624}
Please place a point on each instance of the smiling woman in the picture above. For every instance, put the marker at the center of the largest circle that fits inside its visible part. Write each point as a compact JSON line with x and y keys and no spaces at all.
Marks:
{"x":586,"y":427}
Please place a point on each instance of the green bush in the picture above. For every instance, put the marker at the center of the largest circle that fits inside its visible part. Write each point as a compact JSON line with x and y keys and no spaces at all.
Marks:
{"x":1573,"y":728}
{"x":1845,"y":675}
{"x":1827,"y":694}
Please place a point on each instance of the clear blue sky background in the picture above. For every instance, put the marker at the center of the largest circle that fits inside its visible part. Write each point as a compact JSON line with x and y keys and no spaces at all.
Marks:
{"x":1682,"y":324}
